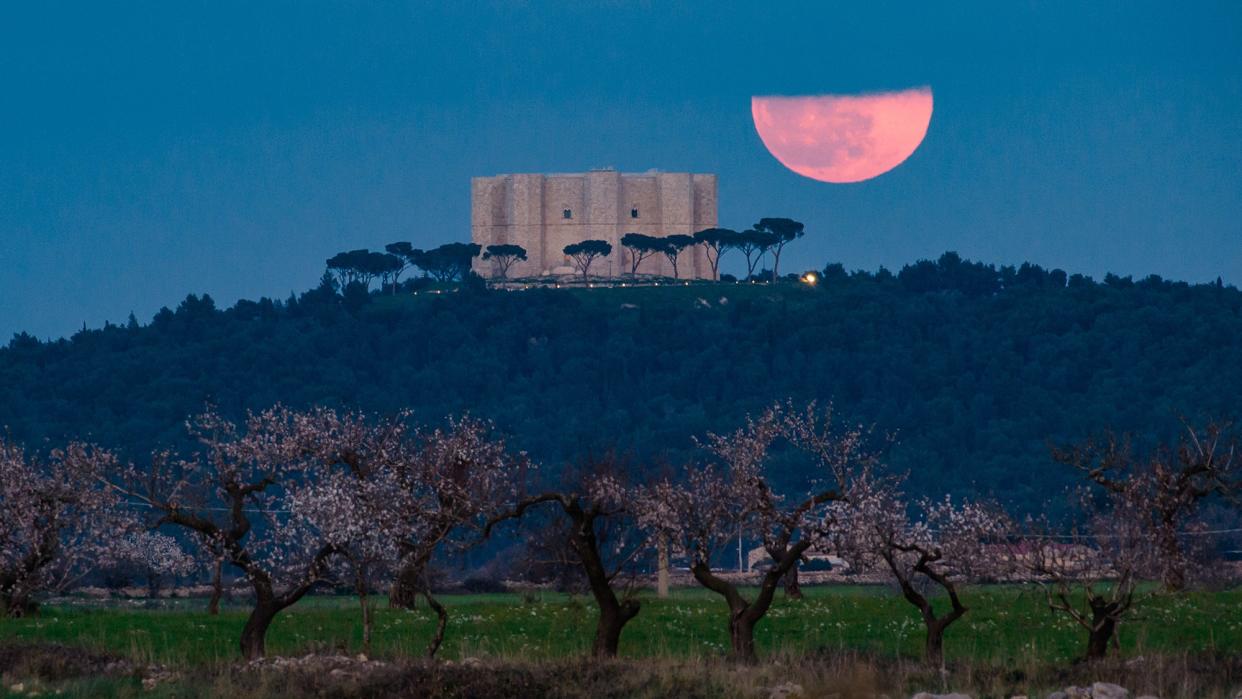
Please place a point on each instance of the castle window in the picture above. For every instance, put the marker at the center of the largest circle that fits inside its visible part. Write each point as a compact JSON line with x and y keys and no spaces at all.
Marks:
{"x":634,"y":212}
{"x":567,"y":213}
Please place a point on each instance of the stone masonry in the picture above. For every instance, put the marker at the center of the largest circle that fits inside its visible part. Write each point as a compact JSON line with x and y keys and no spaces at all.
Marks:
{"x":545,"y":212}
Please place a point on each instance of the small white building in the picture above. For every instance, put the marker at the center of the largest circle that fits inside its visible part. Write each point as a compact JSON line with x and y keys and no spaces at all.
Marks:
{"x":758,"y":559}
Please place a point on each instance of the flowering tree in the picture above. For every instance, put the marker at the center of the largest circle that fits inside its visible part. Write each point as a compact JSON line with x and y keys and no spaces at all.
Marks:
{"x":455,"y":480}
{"x":230,"y":497}
{"x":718,"y":500}
{"x":357,"y":503}
{"x":356,"y":516}
{"x":1093,"y":573}
{"x":58,"y":521}
{"x":1167,"y":485}
{"x":603,"y":541}
{"x":944,"y":545}
{"x":374,"y":496}
{"x":155,"y":555}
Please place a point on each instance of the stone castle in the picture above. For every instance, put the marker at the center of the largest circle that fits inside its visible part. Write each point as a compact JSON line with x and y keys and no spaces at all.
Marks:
{"x":545,"y":212}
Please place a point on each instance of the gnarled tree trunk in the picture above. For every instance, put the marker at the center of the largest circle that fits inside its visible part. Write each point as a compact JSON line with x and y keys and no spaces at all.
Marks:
{"x":16,"y":592}
{"x":744,"y":615}
{"x":1173,"y":575}
{"x":612,"y":619}
{"x":411,"y":578}
{"x":360,"y":586}
{"x":614,"y":613}
{"x":793,"y":589}
{"x":933,"y":645}
{"x":742,"y":635}
{"x":17,"y":604}
{"x":406,"y":588}
{"x":254,"y":633}
{"x":441,"y":622}
{"x":268,"y":604}
{"x":217,"y":589}
{"x":1103,"y":626}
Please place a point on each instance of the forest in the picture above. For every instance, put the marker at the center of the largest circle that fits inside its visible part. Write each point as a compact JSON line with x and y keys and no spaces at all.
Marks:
{"x":975,"y":371}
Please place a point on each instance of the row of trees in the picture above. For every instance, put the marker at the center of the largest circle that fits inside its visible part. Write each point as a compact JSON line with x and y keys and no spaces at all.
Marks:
{"x":445,"y":263}
{"x":292,"y":500}
{"x":453,"y":261}
{"x":768,"y":236}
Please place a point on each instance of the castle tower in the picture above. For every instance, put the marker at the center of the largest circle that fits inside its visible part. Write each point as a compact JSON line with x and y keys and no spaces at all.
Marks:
{"x":545,"y":212}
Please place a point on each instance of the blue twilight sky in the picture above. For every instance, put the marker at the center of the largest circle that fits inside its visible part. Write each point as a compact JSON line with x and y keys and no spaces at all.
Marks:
{"x":149,"y":150}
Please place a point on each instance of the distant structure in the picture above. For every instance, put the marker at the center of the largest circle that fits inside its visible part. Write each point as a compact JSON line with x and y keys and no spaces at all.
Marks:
{"x":545,"y":212}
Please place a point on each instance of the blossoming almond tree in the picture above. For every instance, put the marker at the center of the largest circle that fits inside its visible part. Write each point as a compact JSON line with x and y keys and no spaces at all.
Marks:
{"x":154,"y":555}
{"x":604,"y":542}
{"x":229,"y":496}
{"x":1093,"y":573}
{"x":356,"y":504}
{"x":1169,"y":483}
{"x":58,"y":521}
{"x":358,"y":517}
{"x":945,"y":544}
{"x":385,"y":497}
{"x":458,"y":477}
{"x":718,"y":500}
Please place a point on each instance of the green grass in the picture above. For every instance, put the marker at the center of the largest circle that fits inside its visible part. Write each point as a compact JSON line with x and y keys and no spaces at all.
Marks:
{"x":1005,"y":625}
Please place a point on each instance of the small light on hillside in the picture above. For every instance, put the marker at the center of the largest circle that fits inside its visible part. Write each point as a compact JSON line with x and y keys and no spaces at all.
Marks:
{"x":810,"y":278}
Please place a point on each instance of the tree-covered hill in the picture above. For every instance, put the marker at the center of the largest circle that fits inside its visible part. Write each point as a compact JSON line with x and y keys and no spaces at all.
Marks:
{"x":976,"y":369}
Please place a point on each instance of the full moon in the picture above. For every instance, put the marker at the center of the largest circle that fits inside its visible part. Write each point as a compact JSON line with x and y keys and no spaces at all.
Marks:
{"x":843,"y":138}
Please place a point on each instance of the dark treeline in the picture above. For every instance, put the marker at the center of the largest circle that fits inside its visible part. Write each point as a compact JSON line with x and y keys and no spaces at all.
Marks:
{"x":978,"y":369}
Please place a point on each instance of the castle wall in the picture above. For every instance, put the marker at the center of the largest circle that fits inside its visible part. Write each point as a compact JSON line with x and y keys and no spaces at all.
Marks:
{"x":530,"y":210}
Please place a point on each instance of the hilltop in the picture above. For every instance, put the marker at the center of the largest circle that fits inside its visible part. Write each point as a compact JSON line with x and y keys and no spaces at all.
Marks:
{"x":976,"y":369}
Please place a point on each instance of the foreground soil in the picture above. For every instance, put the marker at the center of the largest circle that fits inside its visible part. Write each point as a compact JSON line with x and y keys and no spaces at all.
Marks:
{"x":55,"y":670}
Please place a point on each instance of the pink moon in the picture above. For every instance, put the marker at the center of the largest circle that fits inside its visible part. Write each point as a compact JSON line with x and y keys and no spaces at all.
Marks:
{"x":843,"y":138}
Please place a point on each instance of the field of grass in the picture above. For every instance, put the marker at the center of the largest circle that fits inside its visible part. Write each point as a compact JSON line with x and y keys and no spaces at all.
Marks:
{"x":1006,"y":625}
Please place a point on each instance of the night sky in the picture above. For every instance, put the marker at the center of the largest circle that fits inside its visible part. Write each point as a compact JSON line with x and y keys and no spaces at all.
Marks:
{"x":150,"y":150}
